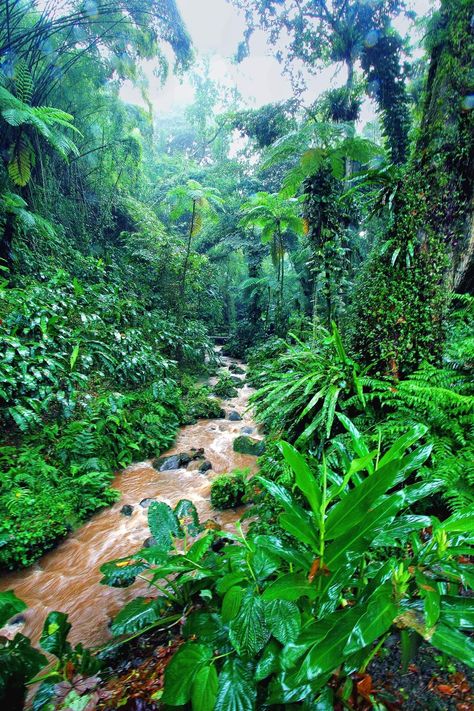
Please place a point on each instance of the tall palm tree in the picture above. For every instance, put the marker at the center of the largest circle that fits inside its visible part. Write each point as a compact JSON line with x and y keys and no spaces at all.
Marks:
{"x":274,"y":215}
{"x":198,"y":201}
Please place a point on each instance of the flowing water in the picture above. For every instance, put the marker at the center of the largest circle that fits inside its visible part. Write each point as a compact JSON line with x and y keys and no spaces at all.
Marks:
{"x":67,"y":578}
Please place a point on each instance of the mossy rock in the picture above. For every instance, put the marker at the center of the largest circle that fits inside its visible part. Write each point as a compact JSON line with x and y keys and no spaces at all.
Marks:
{"x":249,"y":445}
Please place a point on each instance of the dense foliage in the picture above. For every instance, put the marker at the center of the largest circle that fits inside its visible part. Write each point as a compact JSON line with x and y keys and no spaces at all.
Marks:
{"x":335,"y":258}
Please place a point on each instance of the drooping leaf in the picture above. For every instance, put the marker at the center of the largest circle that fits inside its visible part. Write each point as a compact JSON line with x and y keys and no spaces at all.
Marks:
{"x":138,"y":614}
{"x":182,"y":670}
{"x":284,"y":620}
{"x":454,"y":643}
{"x":237,"y":690}
{"x":54,"y":636}
{"x":10,"y":605}
{"x":204,"y":690}
{"x":248,"y":631}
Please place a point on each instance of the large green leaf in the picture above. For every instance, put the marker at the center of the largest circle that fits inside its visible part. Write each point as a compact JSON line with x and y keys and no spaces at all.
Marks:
{"x":54,"y":636}
{"x":138,"y":614}
{"x":163,"y":524}
{"x":354,"y":506}
{"x":375,"y":621}
{"x":269,"y":661}
{"x":454,"y":643}
{"x":457,"y":612}
{"x":402,"y":443}
{"x":284,"y":620}
{"x":291,"y":586}
{"x":207,"y":627}
{"x":281,"y":549}
{"x":122,"y":572}
{"x":304,"y":477}
{"x":10,"y":605}
{"x":356,"y":538}
{"x":248,"y":631}
{"x":237,"y":691}
{"x":204,"y":690}
{"x":312,"y":633}
{"x":462,"y":522}
{"x":327,"y":655}
{"x":231,"y":603}
{"x":182,"y":670}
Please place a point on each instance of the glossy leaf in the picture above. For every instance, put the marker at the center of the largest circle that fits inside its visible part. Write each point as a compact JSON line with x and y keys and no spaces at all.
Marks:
{"x":163,"y":524}
{"x":284,"y":620}
{"x":375,"y":621}
{"x":138,"y":614}
{"x":237,"y":690}
{"x":248,"y":631}
{"x":54,"y":636}
{"x":204,"y":690}
{"x":10,"y":605}
{"x":182,"y":670}
{"x":304,"y":477}
{"x":290,"y":587}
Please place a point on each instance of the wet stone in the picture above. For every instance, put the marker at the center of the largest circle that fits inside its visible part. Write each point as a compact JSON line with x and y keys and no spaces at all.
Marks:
{"x":249,"y":445}
{"x":149,"y":542}
{"x":145,"y":503}
{"x":234,"y":416}
{"x":247,"y":430}
{"x":205,"y":466}
{"x":126,"y":510}
{"x":177,"y":461}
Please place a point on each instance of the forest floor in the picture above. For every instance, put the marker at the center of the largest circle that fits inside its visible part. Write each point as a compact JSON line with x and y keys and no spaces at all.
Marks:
{"x":134,"y":676}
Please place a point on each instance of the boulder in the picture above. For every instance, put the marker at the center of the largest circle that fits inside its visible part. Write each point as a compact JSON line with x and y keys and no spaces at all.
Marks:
{"x":205,"y":466}
{"x":234,"y":368}
{"x":238,"y":382}
{"x":126,"y":510}
{"x":149,"y":542}
{"x":247,"y":430}
{"x":249,"y":445}
{"x":178,"y":461}
{"x":234,"y":416}
{"x":145,"y":503}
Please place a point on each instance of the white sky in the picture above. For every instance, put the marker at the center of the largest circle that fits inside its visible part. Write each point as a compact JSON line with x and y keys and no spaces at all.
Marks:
{"x":216,"y":28}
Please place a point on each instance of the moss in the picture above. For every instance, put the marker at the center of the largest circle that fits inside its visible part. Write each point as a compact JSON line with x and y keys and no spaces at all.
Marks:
{"x":249,"y":445}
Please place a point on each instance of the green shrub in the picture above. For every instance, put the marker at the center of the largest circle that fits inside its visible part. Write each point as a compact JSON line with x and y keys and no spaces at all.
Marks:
{"x":228,"y":490}
{"x":199,"y":405}
{"x":225,"y":386}
{"x":307,"y":614}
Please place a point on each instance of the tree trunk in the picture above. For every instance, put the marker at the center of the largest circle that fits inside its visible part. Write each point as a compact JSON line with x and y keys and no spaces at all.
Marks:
{"x":401,"y":298}
{"x":186,"y":260}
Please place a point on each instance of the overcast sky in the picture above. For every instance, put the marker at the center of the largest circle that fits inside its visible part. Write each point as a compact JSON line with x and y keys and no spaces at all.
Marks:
{"x":216,"y":28}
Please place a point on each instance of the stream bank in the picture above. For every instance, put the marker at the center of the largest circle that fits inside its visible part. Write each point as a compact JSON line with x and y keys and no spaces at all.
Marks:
{"x":68,"y":578}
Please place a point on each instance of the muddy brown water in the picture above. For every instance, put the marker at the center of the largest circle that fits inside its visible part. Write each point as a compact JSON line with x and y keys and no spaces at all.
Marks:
{"x":67,"y":578}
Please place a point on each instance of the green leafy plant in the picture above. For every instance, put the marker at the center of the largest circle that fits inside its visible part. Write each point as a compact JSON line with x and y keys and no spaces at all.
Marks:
{"x":276,"y":617}
{"x":300,"y":390}
{"x":225,"y":386}
{"x":21,"y":662}
{"x":228,"y":490}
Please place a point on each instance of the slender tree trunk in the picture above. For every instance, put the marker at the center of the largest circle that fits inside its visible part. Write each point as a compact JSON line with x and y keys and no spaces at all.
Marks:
{"x":6,"y":255}
{"x":186,"y":260}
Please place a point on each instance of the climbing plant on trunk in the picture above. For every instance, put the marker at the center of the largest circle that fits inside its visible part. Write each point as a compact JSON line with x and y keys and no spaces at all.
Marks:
{"x":401,"y":298}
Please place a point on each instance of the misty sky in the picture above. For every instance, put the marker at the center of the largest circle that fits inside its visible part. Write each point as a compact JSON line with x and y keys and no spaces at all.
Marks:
{"x":216,"y":29}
